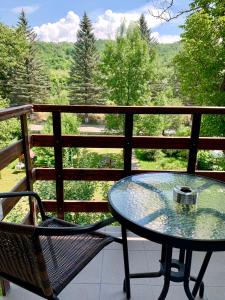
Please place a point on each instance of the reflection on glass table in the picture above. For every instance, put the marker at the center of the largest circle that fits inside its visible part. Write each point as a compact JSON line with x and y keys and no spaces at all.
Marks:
{"x":145,"y":205}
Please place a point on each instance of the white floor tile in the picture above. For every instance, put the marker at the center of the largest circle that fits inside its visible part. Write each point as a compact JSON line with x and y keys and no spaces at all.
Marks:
{"x":92,"y":272}
{"x":115,"y":292}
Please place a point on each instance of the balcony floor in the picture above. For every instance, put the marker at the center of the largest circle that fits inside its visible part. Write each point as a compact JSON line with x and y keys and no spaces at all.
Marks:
{"x":102,"y":278}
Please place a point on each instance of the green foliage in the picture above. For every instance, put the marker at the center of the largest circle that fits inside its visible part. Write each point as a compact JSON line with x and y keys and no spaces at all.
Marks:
{"x":10,"y":129}
{"x":28,"y":82}
{"x":82,"y":83}
{"x":126,"y":69}
{"x":73,"y":190}
{"x":86,"y":159}
{"x":11,"y":52}
{"x":209,"y":160}
{"x":70,"y":124}
{"x":148,"y":154}
{"x":44,"y":157}
{"x":146,"y":34}
{"x":86,"y":218}
{"x":179,"y":154}
{"x":202,"y":60}
{"x":55,"y":56}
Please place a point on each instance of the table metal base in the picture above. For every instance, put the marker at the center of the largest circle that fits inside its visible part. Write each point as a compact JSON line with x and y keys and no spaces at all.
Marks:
{"x":176,"y":270}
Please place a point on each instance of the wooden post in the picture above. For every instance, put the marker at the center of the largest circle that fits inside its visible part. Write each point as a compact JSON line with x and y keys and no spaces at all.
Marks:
{"x":28,"y":165}
{"x":127,"y":151}
{"x":195,"y":132}
{"x":56,"y":116}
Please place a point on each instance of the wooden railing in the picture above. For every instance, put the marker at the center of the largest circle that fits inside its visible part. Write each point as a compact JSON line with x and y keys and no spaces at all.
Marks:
{"x":127,"y":141}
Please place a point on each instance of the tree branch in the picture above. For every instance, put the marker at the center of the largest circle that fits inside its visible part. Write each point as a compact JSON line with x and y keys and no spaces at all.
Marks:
{"x":165,"y":13}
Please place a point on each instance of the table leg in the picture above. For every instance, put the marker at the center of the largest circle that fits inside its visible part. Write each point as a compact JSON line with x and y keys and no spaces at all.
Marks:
{"x":187,"y":271}
{"x":126,"y":263}
{"x":168,"y":260}
{"x":199,"y":283}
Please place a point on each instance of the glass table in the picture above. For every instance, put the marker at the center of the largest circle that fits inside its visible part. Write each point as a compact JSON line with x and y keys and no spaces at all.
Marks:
{"x":145,"y":205}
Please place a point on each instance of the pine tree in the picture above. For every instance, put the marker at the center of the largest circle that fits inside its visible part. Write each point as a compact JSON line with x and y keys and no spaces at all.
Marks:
{"x":146,"y":33}
{"x":82,"y":85}
{"x":29,"y":83}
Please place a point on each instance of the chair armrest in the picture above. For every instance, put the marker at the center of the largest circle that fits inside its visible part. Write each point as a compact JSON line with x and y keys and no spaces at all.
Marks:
{"x":27,"y":193}
{"x":71,"y":229}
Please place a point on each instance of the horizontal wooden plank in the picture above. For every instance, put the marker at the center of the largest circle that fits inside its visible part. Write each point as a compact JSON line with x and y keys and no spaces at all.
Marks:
{"x":207,"y":143}
{"x":80,"y":174}
{"x":160,"y":142}
{"x":109,"y":174}
{"x":39,"y":140}
{"x":9,"y":203}
{"x":26,"y":219}
{"x":10,"y":153}
{"x":77,"y":206}
{"x":218,"y":175}
{"x":142,"y":142}
{"x":13,"y":112}
{"x":129,"y":109}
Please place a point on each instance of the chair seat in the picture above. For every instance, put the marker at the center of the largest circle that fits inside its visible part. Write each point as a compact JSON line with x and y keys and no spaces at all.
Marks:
{"x":66,"y":256}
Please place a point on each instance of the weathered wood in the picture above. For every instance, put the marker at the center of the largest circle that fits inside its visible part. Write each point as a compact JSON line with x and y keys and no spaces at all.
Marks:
{"x":9,"y":203}
{"x":80,"y":174}
{"x":26,"y":219}
{"x":77,"y":206}
{"x":129,"y":109}
{"x":195,"y":131}
{"x":10,"y":153}
{"x":218,"y":175}
{"x":92,"y":141}
{"x":58,"y":163}
{"x":127,"y":151}
{"x":28,"y":164}
{"x":108,"y":174}
{"x":141,"y":142}
{"x":14,"y":112}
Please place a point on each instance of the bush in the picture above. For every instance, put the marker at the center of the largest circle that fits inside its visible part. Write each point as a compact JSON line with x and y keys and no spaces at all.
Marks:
{"x":179,"y":154}
{"x":148,"y":155}
{"x":207,"y":160}
{"x":73,"y":190}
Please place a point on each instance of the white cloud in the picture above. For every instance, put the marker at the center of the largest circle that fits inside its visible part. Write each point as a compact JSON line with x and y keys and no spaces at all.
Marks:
{"x":27,"y":9}
{"x":105,"y":26}
{"x":63,"y":30}
{"x":167,"y":38}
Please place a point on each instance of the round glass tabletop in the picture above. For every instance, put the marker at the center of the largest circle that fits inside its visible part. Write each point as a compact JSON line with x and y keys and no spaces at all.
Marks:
{"x":147,"y":201}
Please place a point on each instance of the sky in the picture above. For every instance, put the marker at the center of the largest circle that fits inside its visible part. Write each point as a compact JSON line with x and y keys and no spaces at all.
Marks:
{"x":58,"y":20}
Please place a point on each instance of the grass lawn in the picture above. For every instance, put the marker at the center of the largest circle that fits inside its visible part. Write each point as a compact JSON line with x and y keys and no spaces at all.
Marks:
{"x":165,"y":163}
{"x":9,"y":178}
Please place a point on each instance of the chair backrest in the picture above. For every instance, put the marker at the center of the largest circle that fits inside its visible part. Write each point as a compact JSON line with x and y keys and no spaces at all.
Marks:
{"x":21,"y":258}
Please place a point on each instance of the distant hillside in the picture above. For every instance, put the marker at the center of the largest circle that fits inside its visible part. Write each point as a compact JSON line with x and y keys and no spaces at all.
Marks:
{"x":58,"y":56}
{"x":166,"y":52}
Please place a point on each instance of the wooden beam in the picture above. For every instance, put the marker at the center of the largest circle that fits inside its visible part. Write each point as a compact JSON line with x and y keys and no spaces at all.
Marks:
{"x":10,"y":153}
{"x":13,"y":112}
{"x":9,"y":203}
{"x":104,"y":109}
{"x":218,"y":175}
{"x":58,"y":163}
{"x":28,"y":165}
{"x":195,"y":131}
{"x":80,"y":174}
{"x":79,"y":141}
{"x":77,"y":206}
{"x":127,"y":151}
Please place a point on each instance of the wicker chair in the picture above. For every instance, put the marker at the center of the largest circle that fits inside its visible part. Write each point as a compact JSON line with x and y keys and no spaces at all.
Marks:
{"x":44,"y":259}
